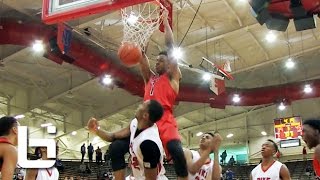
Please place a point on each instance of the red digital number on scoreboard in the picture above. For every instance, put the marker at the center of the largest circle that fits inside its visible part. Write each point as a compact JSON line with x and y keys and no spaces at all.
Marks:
{"x":287,"y":128}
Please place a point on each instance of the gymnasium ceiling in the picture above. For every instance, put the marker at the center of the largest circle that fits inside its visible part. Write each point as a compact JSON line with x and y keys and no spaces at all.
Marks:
{"x":68,"y":96}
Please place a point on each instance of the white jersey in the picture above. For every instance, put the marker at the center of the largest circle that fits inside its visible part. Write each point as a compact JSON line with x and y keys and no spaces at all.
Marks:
{"x":205,"y":171}
{"x":137,"y":164}
{"x":48,"y":174}
{"x":272,"y":173}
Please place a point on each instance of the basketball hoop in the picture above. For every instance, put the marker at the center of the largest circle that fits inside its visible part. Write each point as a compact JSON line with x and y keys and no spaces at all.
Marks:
{"x":140,"y":21}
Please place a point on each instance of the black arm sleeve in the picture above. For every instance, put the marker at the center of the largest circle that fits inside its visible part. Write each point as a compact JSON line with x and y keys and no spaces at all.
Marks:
{"x":151,"y":154}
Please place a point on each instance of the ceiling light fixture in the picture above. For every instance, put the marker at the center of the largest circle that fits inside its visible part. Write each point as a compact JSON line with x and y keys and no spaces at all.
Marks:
{"x":132,"y":19}
{"x":230,"y":135}
{"x":281,"y":106}
{"x":236,"y":98}
{"x":307,"y":89}
{"x":106,"y":80}
{"x":74,"y":133}
{"x":263,"y":133}
{"x":46,"y":124}
{"x":271,"y":37}
{"x":206,"y":76}
{"x":177,"y":53}
{"x":20,"y":116}
{"x":38,"y":46}
{"x":199,"y":133}
{"x":290,"y":63}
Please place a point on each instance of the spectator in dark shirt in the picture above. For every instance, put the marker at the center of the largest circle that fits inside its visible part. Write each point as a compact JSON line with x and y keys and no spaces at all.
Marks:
{"x":90,"y":152}
{"x":83,"y":151}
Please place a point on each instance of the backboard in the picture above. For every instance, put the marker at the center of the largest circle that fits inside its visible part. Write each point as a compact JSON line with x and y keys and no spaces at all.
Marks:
{"x":54,"y":11}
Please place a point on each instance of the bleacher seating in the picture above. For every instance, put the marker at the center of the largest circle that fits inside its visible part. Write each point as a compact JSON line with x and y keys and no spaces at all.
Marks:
{"x":242,"y":172}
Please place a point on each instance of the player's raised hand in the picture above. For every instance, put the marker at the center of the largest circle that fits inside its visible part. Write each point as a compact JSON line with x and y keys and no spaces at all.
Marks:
{"x":216,"y":142}
{"x":93,"y":125}
{"x":165,"y":14}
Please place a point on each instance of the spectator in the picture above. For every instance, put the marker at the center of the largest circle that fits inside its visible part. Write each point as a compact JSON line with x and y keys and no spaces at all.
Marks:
{"x":107,"y":156}
{"x":223,"y":157}
{"x":229,"y":174}
{"x":304,"y":153}
{"x":98,"y":156}
{"x":90,"y":152}
{"x":231,"y":161}
{"x":308,"y":171}
{"x":83,"y":151}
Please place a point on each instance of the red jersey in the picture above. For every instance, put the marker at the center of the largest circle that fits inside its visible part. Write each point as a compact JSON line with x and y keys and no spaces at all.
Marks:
{"x":316,"y":167}
{"x":3,"y":140}
{"x":159,"y":88}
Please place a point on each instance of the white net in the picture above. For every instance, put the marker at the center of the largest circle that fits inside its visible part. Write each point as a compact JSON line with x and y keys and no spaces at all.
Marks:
{"x":140,"y":21}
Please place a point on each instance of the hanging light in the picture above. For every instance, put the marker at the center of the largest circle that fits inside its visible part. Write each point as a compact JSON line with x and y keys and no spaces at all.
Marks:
{"x":106,"y":80}
{"x":271,"y":37}
{"x":236,"y":98}
{"x":206,"y":76}
{"x":307,"y":88}
{"x":281,"y":106}
{"x":38,"y":46}
{"x":230,"y":135}
{"x":177,"y":53}
{"x":20,"y":116}
{"x":290,"y":63}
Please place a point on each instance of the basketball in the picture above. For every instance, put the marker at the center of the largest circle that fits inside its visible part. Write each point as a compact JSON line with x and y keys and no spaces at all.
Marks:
{"x":129,"y":53}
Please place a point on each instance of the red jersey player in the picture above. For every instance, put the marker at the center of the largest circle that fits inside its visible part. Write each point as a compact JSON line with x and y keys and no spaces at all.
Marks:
{"x":163,"y":86}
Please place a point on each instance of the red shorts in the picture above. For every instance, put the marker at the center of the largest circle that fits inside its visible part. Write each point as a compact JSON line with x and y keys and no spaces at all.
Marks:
{"x":168,"y":129}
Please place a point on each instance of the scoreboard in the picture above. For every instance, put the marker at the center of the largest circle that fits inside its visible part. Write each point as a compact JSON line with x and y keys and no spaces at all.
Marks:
{"x":288,"y":128}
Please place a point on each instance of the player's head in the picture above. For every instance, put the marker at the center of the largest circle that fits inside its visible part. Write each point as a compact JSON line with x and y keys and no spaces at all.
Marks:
{"x":9,"y":127}
{"x":162,"y":62}
{"x":205,"y":140}
{"x":269,"y":148}
{"x":150,"y":111}
{"x":311,"y":132}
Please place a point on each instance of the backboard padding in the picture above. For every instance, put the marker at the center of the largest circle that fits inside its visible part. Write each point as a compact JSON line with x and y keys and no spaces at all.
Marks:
{"x":54,"y":11}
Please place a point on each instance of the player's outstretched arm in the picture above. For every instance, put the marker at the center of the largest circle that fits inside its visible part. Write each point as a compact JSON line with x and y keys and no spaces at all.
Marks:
{"x":145,"y":70}
{"x":284,"y":173}
{"x":173,"y":69}
{"x":216,"y":169}
{"x":9,"y":162}
{"x":93,"y":127}
{"x":194,"y":167}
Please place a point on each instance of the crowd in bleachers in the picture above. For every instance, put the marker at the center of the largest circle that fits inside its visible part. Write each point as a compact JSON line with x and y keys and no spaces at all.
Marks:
{"x":75,"y":170}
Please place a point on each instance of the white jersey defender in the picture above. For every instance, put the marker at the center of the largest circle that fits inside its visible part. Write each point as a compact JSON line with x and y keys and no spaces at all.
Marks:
{"x":205,"y":171}
{"x":48,"y":174}
{"x":271,"y":173}
{"x":137,"y":164}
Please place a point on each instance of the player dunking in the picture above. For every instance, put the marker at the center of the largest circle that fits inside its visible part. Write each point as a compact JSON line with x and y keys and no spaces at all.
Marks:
{"x":311,"y":135}
{"x":162,"y":86}
{"x":8,"y":141}
{"x":270,"y":169}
